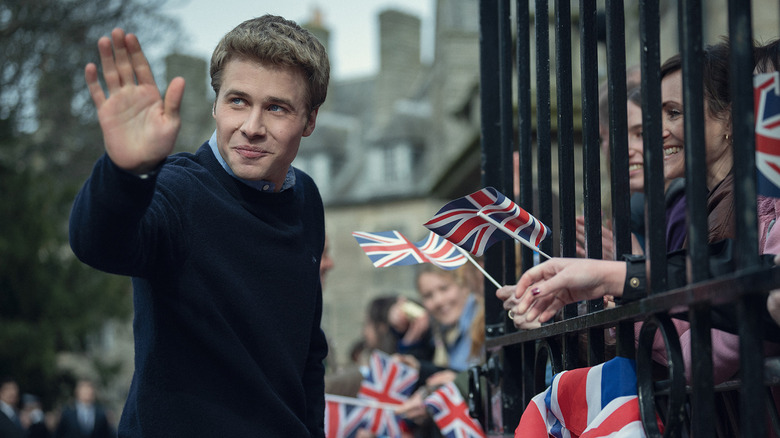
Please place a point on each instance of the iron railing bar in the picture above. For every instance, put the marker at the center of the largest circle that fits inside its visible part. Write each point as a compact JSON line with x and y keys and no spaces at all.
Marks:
{"x":543,"y":105}
{"x":618,"y":133}
{"x":490,"y":138}
{"x":722,"y":290}
{"x":525,"y":154}
{"x":566,"y":175}
{"x":505,"y":185}
{"x":655,"y":229}
{"x":591,"y":157}
{"x":703,"y":398}
{"x":752,"y":421}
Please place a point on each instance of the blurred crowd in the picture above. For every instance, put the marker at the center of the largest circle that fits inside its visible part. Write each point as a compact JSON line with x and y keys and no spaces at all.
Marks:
{"x":22,"y":415}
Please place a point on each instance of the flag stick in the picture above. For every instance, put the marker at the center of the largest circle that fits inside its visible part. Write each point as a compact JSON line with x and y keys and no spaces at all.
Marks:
{"x":506,"y":230}
{"x":482,"y":270}
{"x":361,"y":402}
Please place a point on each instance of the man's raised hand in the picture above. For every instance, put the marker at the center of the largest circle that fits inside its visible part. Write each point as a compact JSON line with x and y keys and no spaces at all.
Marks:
{"x":139,"y":127}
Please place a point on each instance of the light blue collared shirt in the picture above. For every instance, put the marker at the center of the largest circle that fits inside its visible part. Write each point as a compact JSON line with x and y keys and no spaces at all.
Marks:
{"x":263,"y":186}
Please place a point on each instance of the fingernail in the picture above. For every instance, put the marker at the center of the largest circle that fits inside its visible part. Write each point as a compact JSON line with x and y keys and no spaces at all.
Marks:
{"x":535,"y":291}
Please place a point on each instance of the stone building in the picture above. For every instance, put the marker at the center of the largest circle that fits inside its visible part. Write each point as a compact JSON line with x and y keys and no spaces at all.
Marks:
{"x":381,"y":150}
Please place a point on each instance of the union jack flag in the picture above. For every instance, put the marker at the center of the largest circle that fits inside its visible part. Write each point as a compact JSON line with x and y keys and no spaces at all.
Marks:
{"x":451,"y":414}
{"x":599,"y":401}
{"x":343,"y":419}
{"x":471,"y":222}
{"x":766,"y":89}
{"x":391,"y":248}
{"x":389,"y":382}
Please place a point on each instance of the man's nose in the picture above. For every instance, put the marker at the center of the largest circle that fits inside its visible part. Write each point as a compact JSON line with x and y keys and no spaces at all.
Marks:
{"x":254,"y":124}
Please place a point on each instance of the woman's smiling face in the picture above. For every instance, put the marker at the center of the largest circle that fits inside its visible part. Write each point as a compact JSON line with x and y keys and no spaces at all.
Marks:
{"x":442,"y":296}
{"x":672,"y":125}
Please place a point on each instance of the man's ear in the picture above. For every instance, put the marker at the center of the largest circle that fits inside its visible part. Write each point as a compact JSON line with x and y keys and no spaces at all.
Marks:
{"x":309,"y":128}
{"x":214,"y":109}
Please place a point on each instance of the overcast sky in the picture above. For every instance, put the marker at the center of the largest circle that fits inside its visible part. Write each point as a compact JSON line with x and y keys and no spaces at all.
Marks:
{"x":353,"y":25}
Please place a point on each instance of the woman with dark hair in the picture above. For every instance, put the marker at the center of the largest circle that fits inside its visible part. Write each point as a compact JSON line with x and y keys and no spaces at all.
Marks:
{"x":379,"y":333}
{"x":546,"y":288}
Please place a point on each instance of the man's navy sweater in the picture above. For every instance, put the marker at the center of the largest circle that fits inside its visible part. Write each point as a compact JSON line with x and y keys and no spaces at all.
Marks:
{"x":227,"y":297}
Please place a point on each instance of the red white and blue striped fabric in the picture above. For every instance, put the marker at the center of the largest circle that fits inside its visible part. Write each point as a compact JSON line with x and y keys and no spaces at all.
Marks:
{"x":391,"y":248}
{"x":599,"y":401}
{"x":766,"y":89}
{"x":343,"y":419}
{"x":389,"y":382}
{"x":451,"y":414}
{"x":458,"y":221}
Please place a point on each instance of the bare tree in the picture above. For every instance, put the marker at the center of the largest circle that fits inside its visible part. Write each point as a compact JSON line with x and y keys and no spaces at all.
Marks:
{"x":49,"y":139}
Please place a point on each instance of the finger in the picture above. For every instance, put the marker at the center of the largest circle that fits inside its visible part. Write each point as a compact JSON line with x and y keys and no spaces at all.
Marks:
{"x":173,"y":97}
{"x":93,"y":84}
{"x":123,"y":66}
{"x":108,"y":64}
{"x":531,"y":276}
{"x":139,"y":63}
{"x":552,"y":309}
{"x":540,"y":309}
{"x":524,"y":323}
{"x":505,"y":292}
{"x":526,"y":300}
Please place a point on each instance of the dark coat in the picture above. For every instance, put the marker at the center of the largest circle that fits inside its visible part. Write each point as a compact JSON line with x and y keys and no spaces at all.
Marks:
{"x":9,"y":429}
{"x":69,"y":426}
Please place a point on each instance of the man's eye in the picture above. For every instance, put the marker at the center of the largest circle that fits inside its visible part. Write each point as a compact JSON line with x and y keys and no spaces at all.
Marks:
{"x":236,"y":101}
{"x":273,"y":107}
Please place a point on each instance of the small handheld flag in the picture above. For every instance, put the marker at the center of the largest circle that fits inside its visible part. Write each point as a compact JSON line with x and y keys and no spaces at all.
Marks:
{"x":391,"y":248}
{"x":343,"y":419}
{"x":471,"y":222}
{"x":767,"y":108}
{"x":451,"y":414}
{"x":388,"y":382}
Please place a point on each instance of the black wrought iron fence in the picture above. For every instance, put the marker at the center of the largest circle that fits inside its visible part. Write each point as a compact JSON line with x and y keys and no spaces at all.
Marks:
{"x":514,"y":119}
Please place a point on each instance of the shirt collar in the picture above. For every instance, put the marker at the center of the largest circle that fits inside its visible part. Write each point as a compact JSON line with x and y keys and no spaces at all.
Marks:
{"x":7,"y":409}
{"x":263,"y":186}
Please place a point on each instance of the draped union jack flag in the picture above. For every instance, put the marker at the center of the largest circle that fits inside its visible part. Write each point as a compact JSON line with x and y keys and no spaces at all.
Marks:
{"x":470,"y":221}
{"x":766,"y":89}
{"x":342,"y":420}
{"x":391,"y":248}
{"x":451,"y":414}
{"x":389,"y":382}
{"x":599,"y":401}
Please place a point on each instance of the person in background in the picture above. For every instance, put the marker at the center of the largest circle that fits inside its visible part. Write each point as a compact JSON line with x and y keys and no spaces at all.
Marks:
{"x":455,"y":310}
{"x":396,"y":324}
{"x":85,"y":418}
{"x":33,"y":418}
{"x":633,"y":81}
{"x":223,"y":245}
{"x":767,"y":60}
{"x":452,"y":308}
{"x":10,"y":424}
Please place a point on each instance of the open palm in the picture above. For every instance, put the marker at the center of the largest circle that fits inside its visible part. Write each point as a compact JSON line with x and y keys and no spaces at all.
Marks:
{"x":139,"y":127}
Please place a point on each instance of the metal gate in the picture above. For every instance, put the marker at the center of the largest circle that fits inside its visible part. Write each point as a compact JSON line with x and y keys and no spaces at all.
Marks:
{"x":518,"y":361}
